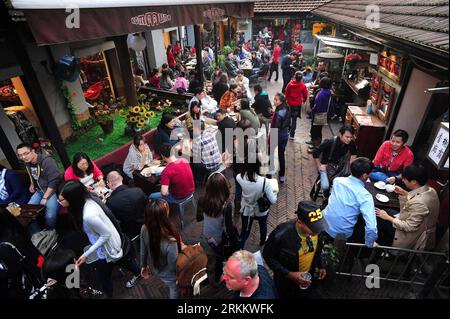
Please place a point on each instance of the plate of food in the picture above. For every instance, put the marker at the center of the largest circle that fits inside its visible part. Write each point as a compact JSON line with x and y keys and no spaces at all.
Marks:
{"x":380,"y":185}
{"x":382,"y":198}
{"x":155,"y":163}
{"x":152,"y":170}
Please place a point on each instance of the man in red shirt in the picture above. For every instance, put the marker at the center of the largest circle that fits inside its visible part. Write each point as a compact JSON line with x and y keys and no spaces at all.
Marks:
{"x":177,"y":180}
{"x":392,"y":157}
{"x":275,"y":60}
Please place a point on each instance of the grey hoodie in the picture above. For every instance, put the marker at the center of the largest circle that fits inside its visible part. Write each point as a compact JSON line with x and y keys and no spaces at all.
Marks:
{"x":48,"y":173}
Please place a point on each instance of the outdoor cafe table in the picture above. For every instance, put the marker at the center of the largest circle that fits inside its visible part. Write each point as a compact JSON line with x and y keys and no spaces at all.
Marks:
{"x":393,"y":202}
{"x":28,"y":213}
{"x":148,"y":184}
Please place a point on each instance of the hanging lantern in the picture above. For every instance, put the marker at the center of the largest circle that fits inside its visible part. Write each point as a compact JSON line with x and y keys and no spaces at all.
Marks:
{"x":136,"y":42}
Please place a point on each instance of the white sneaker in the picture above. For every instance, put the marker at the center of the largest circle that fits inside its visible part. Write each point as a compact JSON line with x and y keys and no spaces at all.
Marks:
{"x":132,"y":282}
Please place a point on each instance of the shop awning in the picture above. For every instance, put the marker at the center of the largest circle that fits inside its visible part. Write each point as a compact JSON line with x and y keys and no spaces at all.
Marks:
{"x":51,"y":24}
{"x":345,"y":44}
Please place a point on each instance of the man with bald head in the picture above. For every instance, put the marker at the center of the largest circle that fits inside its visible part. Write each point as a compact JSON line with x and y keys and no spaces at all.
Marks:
{"x":127,"y":204}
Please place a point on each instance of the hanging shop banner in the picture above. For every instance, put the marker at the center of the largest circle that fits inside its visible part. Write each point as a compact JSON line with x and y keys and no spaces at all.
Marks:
{"x":94,"y":23}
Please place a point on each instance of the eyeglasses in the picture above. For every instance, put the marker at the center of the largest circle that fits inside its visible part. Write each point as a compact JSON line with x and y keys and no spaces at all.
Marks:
{"x":59,"y":200}
{"x":23,"y":154}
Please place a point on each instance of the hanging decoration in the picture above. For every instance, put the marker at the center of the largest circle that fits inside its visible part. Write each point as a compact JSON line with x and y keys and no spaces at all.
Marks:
{"x":136,"y":42}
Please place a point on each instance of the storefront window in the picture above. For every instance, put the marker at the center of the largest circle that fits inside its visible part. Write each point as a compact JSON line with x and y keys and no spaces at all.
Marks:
{"x":95,"y":79}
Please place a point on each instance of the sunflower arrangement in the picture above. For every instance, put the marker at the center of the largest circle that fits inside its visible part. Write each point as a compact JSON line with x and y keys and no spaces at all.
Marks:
{"x":137,"y":116}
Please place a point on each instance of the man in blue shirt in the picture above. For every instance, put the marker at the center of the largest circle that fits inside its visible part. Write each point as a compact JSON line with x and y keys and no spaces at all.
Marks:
{"x":348,"y":199}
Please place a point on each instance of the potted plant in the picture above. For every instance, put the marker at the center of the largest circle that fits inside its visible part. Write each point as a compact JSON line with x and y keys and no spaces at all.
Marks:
{"x":104,"y":115}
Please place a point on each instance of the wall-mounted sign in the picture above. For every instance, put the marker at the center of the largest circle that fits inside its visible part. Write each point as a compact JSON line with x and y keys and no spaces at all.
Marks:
{"x":438,"y":153}
{"x":151,"y":19}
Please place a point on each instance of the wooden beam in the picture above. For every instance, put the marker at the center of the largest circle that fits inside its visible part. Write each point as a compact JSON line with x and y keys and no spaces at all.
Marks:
{"x":198,"y":49}
{"x":125,"y":67}
{"x":8,"y":150}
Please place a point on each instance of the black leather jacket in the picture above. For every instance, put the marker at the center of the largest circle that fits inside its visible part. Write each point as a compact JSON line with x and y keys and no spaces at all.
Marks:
{"x":281,"y":254}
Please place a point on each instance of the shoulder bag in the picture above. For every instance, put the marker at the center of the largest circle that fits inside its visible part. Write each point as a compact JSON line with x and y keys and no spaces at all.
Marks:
{"x":321,"y":119}
{"x":341,"y":169}
{"x":263,"y":202}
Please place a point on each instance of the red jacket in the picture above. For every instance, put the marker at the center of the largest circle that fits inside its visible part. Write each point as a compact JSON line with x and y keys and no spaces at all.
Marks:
{"x":296,"y":93}
{"x":299,"y":48}
{"x":276,"y":54}
{"x":393,"y":164}
{"x":69,"y":174}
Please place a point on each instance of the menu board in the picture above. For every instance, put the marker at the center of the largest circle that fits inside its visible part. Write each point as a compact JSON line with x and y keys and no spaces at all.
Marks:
{"x":438,"y":153}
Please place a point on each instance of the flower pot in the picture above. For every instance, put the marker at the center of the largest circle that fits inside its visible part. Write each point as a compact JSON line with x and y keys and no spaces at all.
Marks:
{"x":107,"y":127}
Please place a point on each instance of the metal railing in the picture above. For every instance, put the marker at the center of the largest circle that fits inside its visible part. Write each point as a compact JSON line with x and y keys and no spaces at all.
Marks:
{"x":426,"y":271}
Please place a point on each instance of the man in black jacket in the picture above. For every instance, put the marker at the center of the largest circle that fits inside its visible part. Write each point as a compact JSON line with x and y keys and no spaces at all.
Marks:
{"x":293,"y":252}
{"x":127,"y":204}
{"x":287,"y":69}
{"x":262,"y":106}
{"x":224,"y":122}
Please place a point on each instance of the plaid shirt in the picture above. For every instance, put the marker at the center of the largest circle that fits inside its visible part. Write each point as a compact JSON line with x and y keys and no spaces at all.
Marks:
{"x":205,"y":147}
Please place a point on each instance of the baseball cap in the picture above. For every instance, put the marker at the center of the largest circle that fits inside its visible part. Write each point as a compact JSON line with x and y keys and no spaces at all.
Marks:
{"x":309,"y":213}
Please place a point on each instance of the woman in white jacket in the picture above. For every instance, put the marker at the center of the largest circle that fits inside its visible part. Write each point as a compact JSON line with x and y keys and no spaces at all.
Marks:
{"x":254,"y":187}
{"x":106,"y":243}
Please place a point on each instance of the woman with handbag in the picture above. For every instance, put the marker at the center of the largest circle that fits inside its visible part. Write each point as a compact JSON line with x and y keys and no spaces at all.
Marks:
{"x":258,"y":193}
{"x":323,"y":106}
{"x":216,"y":210}
{"x":107,"y":242}
{"x":160,"y":245}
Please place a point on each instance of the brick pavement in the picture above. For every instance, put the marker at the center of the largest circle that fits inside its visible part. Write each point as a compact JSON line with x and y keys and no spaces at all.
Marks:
{"x":300,"y":174}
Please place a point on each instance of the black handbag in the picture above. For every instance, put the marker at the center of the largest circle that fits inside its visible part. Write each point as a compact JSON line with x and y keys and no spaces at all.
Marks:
{"x":341,"y":169}
{"x":263,"y":202}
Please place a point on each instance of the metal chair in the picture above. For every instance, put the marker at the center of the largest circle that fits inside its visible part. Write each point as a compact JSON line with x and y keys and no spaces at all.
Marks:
{"x":182,"y":205}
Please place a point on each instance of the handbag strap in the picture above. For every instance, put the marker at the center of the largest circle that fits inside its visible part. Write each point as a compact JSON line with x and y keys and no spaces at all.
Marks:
{"x":264,"y":187}
{"x":333,"y":147}
{"x":329,"y":103}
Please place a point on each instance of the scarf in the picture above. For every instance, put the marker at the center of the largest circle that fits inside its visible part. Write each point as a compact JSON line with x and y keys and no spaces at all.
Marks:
{"x":3,"y":192}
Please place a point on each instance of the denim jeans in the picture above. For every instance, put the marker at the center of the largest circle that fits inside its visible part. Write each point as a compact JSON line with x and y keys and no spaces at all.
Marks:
{"x":247,"y":223}
{"x":103,"y":272}
{"x":324,"y":182}
{"x":169,"y":198}
{"x":51,"y":210}
{"x":282,"y":141}
{"x":173,"y":289}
